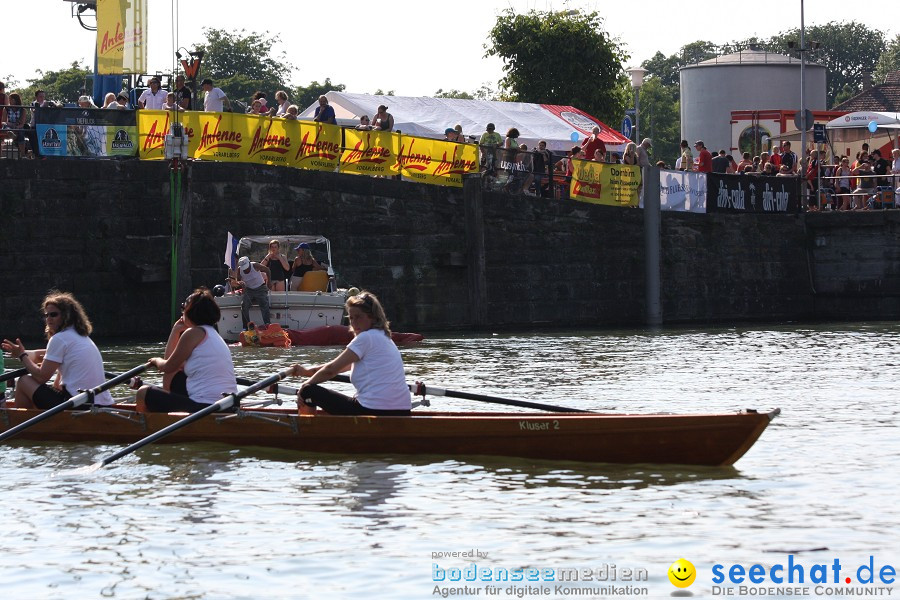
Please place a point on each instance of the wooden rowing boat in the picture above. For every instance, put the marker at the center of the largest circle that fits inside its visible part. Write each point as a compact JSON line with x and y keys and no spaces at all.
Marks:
{"x":714,"y":440}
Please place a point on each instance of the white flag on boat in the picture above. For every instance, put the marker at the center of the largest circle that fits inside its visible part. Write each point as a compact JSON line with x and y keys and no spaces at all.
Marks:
{"x":231,"y":252}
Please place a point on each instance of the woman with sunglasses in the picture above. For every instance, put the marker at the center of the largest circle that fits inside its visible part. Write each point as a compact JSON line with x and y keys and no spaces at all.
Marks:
{"x":376,"y":369}
{"x":70,"y":353}
{"x":203,"y":355}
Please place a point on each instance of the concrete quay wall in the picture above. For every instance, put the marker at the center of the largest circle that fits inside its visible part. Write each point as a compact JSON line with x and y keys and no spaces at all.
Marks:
{"x":440,"y":258}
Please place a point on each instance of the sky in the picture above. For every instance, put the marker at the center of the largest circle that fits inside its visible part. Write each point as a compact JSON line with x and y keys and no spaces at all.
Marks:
{"x":413,"y":47}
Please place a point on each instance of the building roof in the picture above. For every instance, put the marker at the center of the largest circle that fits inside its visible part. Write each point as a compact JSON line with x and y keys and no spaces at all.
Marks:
{"x":752,"y":57}
{"x":884,"y":97}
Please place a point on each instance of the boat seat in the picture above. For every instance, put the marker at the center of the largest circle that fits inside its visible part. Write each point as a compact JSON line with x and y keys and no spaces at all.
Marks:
{"x":314,"y":281}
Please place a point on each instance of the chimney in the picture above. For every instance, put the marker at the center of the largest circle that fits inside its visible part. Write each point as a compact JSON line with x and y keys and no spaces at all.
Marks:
{"x":866,"y":81}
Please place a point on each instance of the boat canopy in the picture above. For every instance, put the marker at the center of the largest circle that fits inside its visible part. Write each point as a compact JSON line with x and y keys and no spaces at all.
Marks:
{"x":256,"y":246}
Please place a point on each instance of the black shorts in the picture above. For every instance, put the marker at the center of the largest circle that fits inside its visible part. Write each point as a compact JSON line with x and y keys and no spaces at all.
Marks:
{"x":335,"y":403}
{"x":159,"y":400}
{"x":45,"y":397}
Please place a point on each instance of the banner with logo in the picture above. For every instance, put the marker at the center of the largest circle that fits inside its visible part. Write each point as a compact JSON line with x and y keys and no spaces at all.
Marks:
{"x":121,"y":31}
{"x":683,"y":191}
{"x":436,"y":161}
{"x":91,"y":132}
{"x":752,"y":193}
{"x":271,"y":140}
{"x":601,"y":183}
{"x":319,"y":147}
{"x":370,"y":152}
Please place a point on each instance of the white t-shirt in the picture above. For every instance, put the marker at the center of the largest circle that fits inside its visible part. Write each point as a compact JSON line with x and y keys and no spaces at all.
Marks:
{"x":213,"y":101}
{"x":153,"y":101}
{"x":209,"y":369}
{"x":378,"y":374}
{"x":80,"y":363}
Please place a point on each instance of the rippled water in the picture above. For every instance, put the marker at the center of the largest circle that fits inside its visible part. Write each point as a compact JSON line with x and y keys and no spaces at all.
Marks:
{"x":212,"y":522}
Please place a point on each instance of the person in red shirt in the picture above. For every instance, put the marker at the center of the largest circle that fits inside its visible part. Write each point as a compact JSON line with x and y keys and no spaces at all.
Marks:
{"x":591,"y":144}
{"x":704,"y":158}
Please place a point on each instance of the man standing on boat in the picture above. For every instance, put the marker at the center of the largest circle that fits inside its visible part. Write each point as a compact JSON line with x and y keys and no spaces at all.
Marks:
{"x":249,"y":275}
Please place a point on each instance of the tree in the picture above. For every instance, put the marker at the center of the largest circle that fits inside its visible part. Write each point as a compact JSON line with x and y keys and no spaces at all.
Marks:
{"x":242,"y":63}
{"x":660,"y":119}
{"x":65,"y":85}
{"x":847,"y":51}
{"x":889,"y":61}
{"x":453,"y":94}
{"x":305,"y":96}
{"x":557,"y":57}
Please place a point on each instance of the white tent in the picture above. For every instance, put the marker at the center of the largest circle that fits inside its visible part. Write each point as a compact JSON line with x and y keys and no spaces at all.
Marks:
{"x":430,"y":117}
{"x":854,"y":126}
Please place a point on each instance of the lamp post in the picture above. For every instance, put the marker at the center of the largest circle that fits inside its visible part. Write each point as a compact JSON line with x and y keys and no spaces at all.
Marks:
{"x":802,"y":89}
{"x":637,"y":80}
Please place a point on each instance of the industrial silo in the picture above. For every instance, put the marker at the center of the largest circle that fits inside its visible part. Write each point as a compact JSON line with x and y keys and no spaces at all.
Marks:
{"x":746,"y":80}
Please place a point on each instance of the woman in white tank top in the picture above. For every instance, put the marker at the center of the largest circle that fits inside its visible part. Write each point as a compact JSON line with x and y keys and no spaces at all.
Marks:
{"x":205,"y":357}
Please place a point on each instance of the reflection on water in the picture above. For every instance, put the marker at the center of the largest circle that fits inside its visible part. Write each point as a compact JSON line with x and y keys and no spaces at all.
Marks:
{"x":210,"y":521}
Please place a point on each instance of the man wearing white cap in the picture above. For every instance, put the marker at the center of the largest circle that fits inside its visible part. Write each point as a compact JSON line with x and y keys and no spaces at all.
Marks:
{"x":249,"y":276}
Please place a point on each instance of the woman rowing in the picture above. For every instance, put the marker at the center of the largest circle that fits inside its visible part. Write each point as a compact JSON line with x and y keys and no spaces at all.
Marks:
{"x":203,"y":355}
{"x":376,"y":369}
{"x":70,"y":353}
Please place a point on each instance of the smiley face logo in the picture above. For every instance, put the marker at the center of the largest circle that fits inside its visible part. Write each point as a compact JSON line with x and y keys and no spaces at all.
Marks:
{"x":682,"y":573}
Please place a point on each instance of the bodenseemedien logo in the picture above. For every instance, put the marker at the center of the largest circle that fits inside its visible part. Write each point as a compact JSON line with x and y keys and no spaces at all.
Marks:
{"x":682,"y":573}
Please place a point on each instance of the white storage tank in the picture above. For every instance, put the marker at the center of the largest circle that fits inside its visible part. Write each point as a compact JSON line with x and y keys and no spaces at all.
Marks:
{"x":746,"y":80}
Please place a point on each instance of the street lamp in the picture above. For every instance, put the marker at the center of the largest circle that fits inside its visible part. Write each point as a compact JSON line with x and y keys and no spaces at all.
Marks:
{"x":637,"y":80}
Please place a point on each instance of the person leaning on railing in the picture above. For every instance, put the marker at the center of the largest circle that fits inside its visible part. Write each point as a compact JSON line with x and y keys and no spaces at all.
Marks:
{"x":12,"y":122}
{"x":865,"y":186}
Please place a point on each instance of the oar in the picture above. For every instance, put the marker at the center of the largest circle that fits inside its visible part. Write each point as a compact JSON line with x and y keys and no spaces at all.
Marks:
{"x":422,"y":390}
{"x":72,"y":402}
{"x":13,"y":374}
{"x":223,"y":404}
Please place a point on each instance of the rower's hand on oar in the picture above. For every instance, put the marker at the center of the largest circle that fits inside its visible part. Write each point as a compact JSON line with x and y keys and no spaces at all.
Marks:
{"x":155,"y":362}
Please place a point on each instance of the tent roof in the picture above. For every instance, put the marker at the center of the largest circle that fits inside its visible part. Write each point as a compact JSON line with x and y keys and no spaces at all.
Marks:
{"x":429,"y":117}
{"x":861,"y":119}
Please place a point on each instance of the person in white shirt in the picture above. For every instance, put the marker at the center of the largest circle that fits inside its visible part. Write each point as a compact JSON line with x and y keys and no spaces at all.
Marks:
{"x":375,"y":365}
{"x":201,"y":352}
{"x":153,"y":98}
{"x":70,"y":353}
{"x":214,"y":100}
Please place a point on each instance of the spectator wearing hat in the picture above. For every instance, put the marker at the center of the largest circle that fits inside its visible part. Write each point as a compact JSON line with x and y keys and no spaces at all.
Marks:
{"x":325,"y":112}
{"x":643,"y":153}
{"x":154,"y":97}
{"x":249,"y":275}
{"x":383,"y":120}
{"x":704,"y":157}
{"x":214,"y":99}
{"x":452,"y":135}
{"x":303,"y":264}
{"x":489,"y":141}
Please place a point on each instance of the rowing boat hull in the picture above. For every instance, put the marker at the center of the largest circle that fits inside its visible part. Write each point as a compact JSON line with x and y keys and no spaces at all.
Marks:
{"x":714,"y":440}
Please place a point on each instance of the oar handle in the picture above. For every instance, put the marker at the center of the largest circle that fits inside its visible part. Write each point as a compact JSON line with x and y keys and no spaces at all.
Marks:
{"x":223,"y":404}
{"x":72,"y":402}
{"x":13,"y":374}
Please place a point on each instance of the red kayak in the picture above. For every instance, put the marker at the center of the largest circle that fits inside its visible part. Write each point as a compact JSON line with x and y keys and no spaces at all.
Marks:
{"x":340,"y":335}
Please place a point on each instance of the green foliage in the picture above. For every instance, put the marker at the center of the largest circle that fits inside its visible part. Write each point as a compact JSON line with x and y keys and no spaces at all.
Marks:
{"x":62,"y":86}
{"x":848,"y":49}
{"x":889,"y":61}
{"x":453,"y":94}
{"x":557,"y":57}
{"x":242,"y":63}
{"x":380,"y":92}
{"x":660,"y":120}
{"x":304,"y":96}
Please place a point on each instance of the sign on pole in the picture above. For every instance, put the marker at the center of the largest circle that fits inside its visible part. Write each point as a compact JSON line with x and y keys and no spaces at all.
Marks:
{"x":626,"y":126}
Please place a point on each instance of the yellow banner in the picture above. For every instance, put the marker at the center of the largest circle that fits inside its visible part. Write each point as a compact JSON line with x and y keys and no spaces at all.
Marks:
{"x":601,"y":183}
{"x":319,"y":147}
{"x":272,"y":141}
{"x":370,"y":152}
{"x":121,"y":42}
{"x":435,"y":161}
